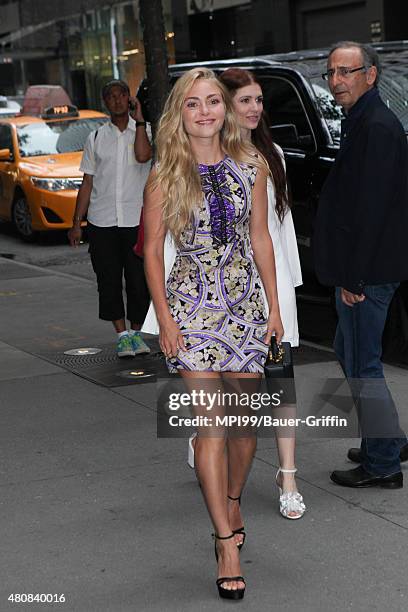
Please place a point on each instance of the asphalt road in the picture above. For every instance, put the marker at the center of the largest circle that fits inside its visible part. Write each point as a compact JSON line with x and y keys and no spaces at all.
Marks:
{"x":51,"y":250}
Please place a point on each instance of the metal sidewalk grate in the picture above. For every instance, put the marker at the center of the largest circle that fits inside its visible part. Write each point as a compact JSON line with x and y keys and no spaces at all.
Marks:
{"x":108,"y":355}
{"x":106,"y":369}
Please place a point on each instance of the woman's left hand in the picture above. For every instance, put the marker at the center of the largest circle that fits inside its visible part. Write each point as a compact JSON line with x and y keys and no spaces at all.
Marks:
{"x":274,"y":327}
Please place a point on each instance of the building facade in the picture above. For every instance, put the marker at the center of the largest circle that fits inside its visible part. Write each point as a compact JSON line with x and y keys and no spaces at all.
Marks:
{"x":231,"y":28}
{"x":80,"y":44}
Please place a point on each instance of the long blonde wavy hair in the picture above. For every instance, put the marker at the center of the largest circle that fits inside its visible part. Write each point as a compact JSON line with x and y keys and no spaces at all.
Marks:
{"x":177,"y":172}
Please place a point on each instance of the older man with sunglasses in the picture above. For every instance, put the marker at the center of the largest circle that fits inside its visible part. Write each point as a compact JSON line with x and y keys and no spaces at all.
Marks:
{"x":361,"y":248}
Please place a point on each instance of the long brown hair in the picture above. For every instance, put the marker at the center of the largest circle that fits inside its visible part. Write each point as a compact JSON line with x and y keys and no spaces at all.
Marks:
{"x":234,"y":79}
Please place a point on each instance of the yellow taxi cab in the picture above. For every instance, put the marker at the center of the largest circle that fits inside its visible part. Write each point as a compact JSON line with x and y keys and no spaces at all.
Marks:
{"x":39,"y":167}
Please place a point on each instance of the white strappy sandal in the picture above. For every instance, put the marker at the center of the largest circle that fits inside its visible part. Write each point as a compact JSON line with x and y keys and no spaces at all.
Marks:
{"x":290,"y":501}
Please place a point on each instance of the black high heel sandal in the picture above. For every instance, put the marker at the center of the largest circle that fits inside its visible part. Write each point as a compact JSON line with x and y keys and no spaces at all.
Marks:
{"x":241,"y":530}
{"x":228,"y":593}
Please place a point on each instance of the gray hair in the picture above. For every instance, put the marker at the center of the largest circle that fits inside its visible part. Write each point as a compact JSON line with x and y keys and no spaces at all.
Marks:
{"x":368,"y":53}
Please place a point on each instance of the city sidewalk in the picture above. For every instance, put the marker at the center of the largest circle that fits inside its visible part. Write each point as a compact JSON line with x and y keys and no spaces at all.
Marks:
{"x":95,"y":507}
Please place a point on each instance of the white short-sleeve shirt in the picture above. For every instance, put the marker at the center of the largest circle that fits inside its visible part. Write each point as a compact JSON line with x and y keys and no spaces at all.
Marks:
{"x":118,"y":179}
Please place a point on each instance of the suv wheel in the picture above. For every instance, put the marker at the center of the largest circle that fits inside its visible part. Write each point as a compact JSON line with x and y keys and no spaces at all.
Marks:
{"x":21,"y":217}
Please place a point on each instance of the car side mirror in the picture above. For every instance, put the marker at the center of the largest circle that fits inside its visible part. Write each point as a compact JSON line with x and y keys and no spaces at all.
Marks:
{"x":5,"y":155}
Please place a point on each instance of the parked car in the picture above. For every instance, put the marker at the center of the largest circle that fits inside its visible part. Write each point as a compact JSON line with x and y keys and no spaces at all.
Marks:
{"x":39,"y":167}
{"x":8,"y":108}
{"x":305,"y":122}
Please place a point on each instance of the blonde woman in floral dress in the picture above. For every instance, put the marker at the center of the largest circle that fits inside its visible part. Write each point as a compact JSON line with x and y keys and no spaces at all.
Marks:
{"x":208,"y":190}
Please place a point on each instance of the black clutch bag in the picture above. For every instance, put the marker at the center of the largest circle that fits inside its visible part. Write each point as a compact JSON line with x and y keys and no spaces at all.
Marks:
{"x":279,"y":361}
{"x":279,"y":374}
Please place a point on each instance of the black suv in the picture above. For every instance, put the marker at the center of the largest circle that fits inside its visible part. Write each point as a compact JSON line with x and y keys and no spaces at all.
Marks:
{"x":305,"y":122}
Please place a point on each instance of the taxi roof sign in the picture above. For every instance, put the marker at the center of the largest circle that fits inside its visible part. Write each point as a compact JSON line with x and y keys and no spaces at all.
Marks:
{"x":56,"y":112}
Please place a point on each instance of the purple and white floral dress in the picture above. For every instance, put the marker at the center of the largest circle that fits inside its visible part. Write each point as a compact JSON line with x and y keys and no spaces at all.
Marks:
{"x":214,"y":290}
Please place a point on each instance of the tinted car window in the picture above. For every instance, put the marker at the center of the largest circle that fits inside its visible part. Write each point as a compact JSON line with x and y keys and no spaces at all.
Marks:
{"x":6,"y":141}
{"x":331,"y":112}
{"x":284,"y":107}
{"x":49,"y":138}
{"x":394,"y":88}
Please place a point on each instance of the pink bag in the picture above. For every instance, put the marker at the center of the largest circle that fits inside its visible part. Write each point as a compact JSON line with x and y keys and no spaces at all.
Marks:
{"x":138,"y":248}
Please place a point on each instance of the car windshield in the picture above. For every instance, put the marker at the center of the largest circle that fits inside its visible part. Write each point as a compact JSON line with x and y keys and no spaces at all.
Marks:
{"x":52,"y":137}
{"x":393,"y":88}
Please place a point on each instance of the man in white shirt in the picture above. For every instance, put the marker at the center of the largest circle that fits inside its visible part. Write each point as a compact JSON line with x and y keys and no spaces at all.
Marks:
{"x":116,"y":165}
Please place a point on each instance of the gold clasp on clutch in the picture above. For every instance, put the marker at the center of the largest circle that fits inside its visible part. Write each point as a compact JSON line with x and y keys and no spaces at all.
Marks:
{"x":276,"y":358}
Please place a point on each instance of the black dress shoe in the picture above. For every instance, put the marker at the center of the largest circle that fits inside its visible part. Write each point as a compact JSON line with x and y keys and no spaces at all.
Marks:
{"x":354,"y":454}
{"x":358,"y":477}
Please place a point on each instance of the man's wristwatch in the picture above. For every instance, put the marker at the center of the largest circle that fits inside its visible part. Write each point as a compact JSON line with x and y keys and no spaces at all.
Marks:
{"x":140,"y":123}
{"x":76,"y":219}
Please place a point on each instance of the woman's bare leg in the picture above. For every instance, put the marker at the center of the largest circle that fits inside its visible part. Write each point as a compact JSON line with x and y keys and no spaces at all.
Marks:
{"x":286,"y":452}
{"x":286,"y":442}
{"x":211,"y":464}
{"x":241,"y":448}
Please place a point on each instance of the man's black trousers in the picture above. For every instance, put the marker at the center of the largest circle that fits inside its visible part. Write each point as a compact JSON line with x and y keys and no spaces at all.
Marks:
{"x":112,"y":256}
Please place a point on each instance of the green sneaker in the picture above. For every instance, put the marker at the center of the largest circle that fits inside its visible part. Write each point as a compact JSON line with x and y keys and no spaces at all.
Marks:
{"x":138,"y":344}
{"x":124,"y":347}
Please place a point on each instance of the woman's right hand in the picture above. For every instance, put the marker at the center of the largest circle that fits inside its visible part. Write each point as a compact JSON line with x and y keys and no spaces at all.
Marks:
{"x":171,"y":339}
